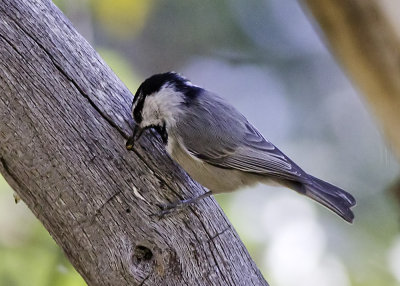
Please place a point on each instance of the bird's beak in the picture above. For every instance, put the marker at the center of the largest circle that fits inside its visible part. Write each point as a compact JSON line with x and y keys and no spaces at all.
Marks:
{"x":137,"y":132}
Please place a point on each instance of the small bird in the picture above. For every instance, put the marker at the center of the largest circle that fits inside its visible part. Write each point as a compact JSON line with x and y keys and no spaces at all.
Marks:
{"x":216,"y":145}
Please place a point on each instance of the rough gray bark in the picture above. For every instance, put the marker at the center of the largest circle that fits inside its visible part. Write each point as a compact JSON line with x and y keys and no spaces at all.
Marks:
{"x":64,"y":122}
{"x":362,"y":35}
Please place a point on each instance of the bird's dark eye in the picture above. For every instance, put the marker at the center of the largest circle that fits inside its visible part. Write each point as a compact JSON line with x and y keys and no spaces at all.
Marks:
{"x":137,"y":115}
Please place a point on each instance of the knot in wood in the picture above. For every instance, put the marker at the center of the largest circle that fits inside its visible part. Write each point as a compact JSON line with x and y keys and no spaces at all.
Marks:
{"x":142,"y":254}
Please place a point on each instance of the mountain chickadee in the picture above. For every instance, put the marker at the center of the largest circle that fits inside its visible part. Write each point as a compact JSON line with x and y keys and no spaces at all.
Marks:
{"x":216,"y":145}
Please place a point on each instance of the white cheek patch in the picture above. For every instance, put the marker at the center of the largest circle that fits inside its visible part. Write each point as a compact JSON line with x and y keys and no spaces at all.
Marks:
{"x":150,"y":112}
{"x":162,"y":106}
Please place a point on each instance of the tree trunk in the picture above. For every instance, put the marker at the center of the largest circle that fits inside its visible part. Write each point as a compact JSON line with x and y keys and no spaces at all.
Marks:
{"x":64,"y":122}
{"x":362,"y":35}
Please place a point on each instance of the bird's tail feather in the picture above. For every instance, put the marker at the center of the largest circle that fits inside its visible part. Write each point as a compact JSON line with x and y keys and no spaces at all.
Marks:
{"x":332,"y":197}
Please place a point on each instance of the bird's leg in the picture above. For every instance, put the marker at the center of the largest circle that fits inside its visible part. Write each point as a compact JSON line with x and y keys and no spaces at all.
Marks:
{"x":169,"y":208}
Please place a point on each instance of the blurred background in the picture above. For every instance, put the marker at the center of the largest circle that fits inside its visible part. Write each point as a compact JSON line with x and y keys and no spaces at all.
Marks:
{"x":266,"y":58}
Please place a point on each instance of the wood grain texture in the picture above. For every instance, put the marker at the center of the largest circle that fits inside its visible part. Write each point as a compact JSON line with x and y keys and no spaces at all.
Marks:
{"x":64,"y":120}
{"x":363,"y":38}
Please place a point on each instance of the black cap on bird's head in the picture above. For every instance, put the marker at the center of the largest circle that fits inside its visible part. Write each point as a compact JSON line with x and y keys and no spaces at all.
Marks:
{"x":172,"y":87}
{"x":152,"y":85}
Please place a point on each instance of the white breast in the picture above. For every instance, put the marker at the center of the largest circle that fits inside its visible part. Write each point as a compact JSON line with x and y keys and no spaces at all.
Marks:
{"x":217,"y":180}
{"x":170,"y":145}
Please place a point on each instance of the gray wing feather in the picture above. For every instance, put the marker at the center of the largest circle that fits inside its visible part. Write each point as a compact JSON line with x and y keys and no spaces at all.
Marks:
{"x":215,"y":132}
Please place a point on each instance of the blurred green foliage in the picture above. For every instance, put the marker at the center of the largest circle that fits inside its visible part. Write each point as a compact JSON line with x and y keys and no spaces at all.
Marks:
{"x":121,"y":67}
{"x":123,"y":18}
{"x":29,"y":256}
{"x":264,"y":56}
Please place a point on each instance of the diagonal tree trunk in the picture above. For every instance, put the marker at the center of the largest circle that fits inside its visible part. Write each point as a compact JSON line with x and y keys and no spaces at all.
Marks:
{"x":64,"y":120}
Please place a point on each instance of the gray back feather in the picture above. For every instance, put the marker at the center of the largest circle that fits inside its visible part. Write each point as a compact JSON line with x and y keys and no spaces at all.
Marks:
{"x":214,"y":131}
